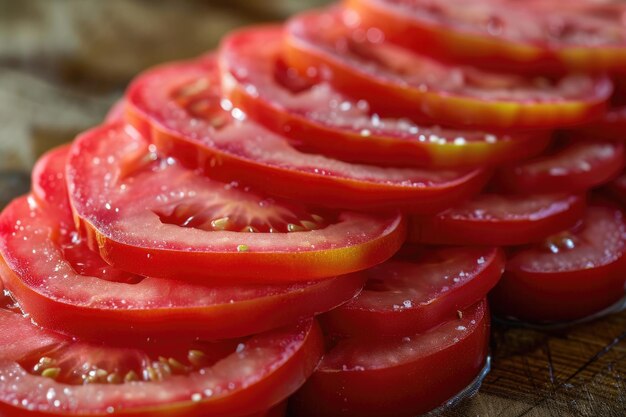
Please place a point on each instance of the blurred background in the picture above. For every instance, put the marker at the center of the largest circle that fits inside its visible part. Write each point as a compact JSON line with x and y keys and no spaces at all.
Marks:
{"x":64,"y":62}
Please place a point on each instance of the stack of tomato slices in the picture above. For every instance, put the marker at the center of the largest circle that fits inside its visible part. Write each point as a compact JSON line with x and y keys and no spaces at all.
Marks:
{"x":309,"y":220}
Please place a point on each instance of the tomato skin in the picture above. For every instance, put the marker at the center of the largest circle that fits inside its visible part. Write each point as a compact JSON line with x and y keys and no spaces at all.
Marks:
{"x":484,"y":50}
{"x":456,"y":227}
{"x":393,"y":98}
{"x":275,"y":379}
{"x":223,"y":162}
{"x":569,"y":293}
{"x":349,"y":144}
{"x":412,"y":387}
{"x":550,"y":174}
{"x":366,"y":321}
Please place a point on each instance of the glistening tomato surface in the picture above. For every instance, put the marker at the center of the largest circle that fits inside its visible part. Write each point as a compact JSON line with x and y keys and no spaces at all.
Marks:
{"x":417,"y":291}
{"x":611,"y":126}
{"x":50,"y":374}
{"x":569,"y":276}
{"x":62,"y":285}
{"x":398,"y":82}
{"x":397,"y":376}
{"x":499,"y":220}
{"x":151,"y":216}
{"x":521,"y":36}
{"x":316,"y":116}
{"x":575,"y":167}
{"x":180,"y":105}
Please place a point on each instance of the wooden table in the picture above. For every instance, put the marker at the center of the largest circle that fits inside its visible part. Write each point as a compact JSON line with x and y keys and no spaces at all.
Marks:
{"x":64,"y":62}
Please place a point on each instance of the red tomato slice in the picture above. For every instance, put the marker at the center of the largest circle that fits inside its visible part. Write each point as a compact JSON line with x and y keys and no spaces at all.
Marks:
{"x":316,"y":116}
{"x":151,"y":216}
{"x":539,"y":37}
{"x":400,"y":376}
{"x":398,"y":82}
{"x":617,"y":188}
{"x":51,"y":374}
{"x":578,"y":166}
{"x":611,"y":126}
{"x":181,"y":104}
{"x":499,"y":220}
{"x":569,"y":276}
{"x":116,"y":113}
{"x":417,"y":291}
{"x":64,"y":286}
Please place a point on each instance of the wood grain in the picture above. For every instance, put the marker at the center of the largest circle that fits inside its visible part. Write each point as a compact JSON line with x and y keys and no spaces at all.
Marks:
{"x":62,"y":64}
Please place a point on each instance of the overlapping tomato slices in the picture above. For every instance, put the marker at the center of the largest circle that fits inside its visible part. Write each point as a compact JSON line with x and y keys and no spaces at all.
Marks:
{"x":46,"y":373}
{"x":539,"y":37}
{"x":63,"y":285}
{"x":398,"y":376}
{"x":570,"y":275}
{"x":575,"y":166}
{"x":151,"y":216}
{"x":180,"y":107}
{"x":314,"y":115}
{"x":501,"y":220}
{"x":398,"y":82}
{"x":418,"y":290}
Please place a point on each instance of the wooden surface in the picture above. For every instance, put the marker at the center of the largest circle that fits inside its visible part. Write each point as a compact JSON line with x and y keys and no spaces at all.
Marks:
{"x":63,"y":62}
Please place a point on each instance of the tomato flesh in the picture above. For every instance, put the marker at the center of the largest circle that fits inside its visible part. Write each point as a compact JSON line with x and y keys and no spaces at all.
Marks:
{"x":417,"y":291}
{"x":399,"y":376}
{"x":578,"y":166}
{"x":501,"y":220}
{"x":316,"y":116}
{"x":46,"y":372}
{"x":151,"y":216}
{"x":397,"y":82}
{"x":180,"y":107}
{"x":536,"y":37}
{"x":570,"y":275}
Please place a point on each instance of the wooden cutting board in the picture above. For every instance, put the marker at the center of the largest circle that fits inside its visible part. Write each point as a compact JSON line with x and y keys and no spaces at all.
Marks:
{"x":64,"y":62}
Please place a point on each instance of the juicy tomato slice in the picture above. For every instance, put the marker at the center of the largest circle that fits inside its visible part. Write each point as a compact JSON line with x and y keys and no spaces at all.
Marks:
{"x":417,"y":291}
{"x":401,"y":83}
{"x":617,"y":188}
{"x":397,"y":376}
{"x":116,"y":112}
{"x":499,"y":220}
{"x":316,"y":116}
{"x":180,"y":105}
{"x":578,"y":166}
{"x":45,"y":372}
{"x":63,"y":285}
{"x":538,"y":37}
{"x":151,"y":216}
{"x":610,"y":126}
{"x":570,"y":275}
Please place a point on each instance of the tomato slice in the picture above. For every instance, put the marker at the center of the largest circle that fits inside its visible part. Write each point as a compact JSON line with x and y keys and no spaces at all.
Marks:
{"x":116,"y":112}
{"x":151,"y":216}
{"x":578,"y":166}
{"x":539,"y":37}
{"x":617,"y":188}
{"x":499,"y":220}
{"x":570,"y":275}
{"x":63,"y":285}
{"x":611,"y":126}
{"x":182,"y":105}
{"x":45,"y":372}
{"x":316,"y":116}
{"x":417,"y":291}
{"x":397,"y":82}
{"x":398,"y":376}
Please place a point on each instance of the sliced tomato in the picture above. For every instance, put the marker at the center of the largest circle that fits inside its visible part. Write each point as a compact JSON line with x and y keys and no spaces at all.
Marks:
{"x":570,"y":275}
{"x":499,"y":220}
{"x":575,"y":167}
{"x":116,"y":112}
{"x":610,"y":126}
{"x":48,"y":184}
{"x":397,"y":376}
{"x":396,"y":82}
{"x":180,"y":106}
{"x":153,"y":217}
{"x":45,"y":372}
{"x":318,"y":117}
{"x":617,"y":188}
{"x":417,"y":291}
{"x":538,"y":37}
